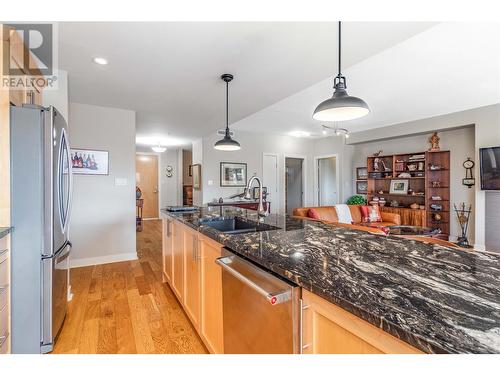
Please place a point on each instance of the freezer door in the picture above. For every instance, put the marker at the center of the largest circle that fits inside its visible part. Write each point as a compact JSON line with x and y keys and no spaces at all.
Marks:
{"x":61,"y":179}
{"x":54,"y":295}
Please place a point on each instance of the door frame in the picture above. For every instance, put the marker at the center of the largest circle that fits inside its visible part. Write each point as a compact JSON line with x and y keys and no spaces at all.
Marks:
{"x":278,"y":187}
{"x":316,"y":176}
{"x":304,"y":178}
{"x":159,"y":178}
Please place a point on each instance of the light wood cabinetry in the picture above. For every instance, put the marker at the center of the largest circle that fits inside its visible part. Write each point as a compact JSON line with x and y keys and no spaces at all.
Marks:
{"x":4,"y":296}
{"x":195,"y":279}
{"x":192,"y":276}
{"x":329,"y":329}
{"x":177,"y":283}
{"x":211,"y":296}
{"x":167,"y":248}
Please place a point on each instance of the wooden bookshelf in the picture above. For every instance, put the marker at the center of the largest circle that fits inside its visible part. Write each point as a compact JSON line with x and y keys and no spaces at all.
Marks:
{"x":420,"y":186}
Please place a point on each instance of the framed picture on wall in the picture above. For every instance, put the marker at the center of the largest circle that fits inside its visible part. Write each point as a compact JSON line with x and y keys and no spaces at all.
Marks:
{"x":90,"y":162}
{"x":233,"y":174}
{"x":196,"y":172}
{"x":399,"y":187}
{"x":361,"y":173}
{"x":361,"y":187}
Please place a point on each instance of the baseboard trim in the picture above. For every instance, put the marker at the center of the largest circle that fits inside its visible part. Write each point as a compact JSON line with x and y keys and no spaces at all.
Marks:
{"x":84,"y":262}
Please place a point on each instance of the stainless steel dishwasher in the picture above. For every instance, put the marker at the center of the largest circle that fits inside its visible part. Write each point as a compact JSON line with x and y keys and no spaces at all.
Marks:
{"x":261,"y":311}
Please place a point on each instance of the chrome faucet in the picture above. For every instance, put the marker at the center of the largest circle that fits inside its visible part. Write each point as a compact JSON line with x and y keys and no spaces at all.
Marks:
{"x":260,"y":210}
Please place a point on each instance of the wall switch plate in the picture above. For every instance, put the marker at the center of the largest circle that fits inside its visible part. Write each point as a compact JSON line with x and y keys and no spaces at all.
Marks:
{"x":120,"y":181}
{"x":210,"y":182}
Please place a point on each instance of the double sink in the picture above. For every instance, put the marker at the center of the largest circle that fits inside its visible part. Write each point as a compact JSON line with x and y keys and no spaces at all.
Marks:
{"x":236,"y":225}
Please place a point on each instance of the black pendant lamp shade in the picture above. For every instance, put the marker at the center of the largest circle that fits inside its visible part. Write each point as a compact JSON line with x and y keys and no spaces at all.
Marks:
{"x":227,"y":143}
{"x":341,"y":106}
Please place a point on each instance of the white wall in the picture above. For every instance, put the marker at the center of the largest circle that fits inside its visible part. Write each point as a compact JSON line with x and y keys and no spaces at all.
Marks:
{"x":460,"y":142}
{"x":197,"y":157}
{"x":253,"y":146}
{"x":170,"y":187}
{"x":103,"y":215}
{"x":336,"y":145}
{"x":58,"y":97}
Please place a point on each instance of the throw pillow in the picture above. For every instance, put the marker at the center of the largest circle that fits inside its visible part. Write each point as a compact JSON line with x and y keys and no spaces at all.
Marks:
{"x":370,"y":214}
{"x":313,"y":214}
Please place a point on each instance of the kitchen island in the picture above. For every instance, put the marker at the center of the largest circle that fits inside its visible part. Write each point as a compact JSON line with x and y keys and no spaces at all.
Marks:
{"x":436,"y":299}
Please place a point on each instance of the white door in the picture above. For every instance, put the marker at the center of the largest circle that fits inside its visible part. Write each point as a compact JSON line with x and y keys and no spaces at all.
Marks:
{"x":270,"y":180}
{"x":327,"y":182}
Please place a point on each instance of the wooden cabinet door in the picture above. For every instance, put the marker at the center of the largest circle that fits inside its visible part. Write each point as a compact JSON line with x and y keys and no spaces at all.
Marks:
{"x":178,"y":260}
{"x":192,"y":298}
{"x":167,"y":246}
{"x":329,"y":329}
{"x":211,"y":296}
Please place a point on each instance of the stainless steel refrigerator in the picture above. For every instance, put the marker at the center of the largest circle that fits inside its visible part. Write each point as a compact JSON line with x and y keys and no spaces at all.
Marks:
{"x":41,"y":191}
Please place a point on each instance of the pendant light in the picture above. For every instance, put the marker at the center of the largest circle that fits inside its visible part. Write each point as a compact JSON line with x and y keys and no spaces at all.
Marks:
{"x":159,"y":148}
{"x":341,"y":106}
{"x":227,"y":143}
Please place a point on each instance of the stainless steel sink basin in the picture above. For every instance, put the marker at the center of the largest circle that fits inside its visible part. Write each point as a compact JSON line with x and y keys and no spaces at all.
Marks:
{"x":236,"y":225}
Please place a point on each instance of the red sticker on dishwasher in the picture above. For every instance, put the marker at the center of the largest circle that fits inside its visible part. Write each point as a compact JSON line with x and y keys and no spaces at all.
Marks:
{"x":273,"y":300}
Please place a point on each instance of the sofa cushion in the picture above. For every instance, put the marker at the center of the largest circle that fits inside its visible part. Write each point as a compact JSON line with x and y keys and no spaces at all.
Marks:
{"x":355,"y":213}
{"x":323,"y":213}
{"x":371,"y":214}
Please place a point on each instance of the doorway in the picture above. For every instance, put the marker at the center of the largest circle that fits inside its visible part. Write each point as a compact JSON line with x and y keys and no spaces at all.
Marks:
{"x":327,"y":181}
{"x":146,"y":168}
{"x":270,"y":180}
{"x":294,"y":184}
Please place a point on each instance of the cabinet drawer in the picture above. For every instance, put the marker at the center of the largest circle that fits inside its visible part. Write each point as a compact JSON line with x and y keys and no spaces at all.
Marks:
{"x":4,"y":295}
{"x":4,"y":321}
{"x":4,"y":249}
{"x":5,"y":345}
{"x":4,"y":272}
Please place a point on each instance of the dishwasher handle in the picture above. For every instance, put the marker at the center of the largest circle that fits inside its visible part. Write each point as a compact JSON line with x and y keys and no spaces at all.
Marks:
{"x":272,"y":298}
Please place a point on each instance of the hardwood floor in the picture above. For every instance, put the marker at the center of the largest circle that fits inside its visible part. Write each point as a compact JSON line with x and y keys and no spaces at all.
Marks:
{"x":125,"y":308}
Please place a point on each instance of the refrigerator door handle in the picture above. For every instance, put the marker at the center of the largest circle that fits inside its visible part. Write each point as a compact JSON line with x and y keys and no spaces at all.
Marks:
{"x":70,"y":183}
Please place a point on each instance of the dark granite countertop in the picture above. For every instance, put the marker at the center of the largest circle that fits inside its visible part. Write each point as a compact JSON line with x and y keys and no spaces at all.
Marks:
{"x":438,"y":299}
{"x":4,"y":231}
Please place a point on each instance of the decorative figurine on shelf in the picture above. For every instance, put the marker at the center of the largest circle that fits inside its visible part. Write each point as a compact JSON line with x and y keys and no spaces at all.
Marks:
{"x":138,"y":192}
{"x":381,"y":192}
{"x":463,"y":213}
{"x":436,"y":217}
{"x":414,"y":206}
{"x":379,"y":165}
{"x":468,"y":181}
{"x":394,"y":203}
{"x":436,"y":207}
{"x":378,"y":153}
{"x":436,"y":184}
{"x":434,"y":141}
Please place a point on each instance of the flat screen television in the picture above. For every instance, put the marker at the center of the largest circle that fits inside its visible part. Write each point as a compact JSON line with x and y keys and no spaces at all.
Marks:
{"x":490,"y":168}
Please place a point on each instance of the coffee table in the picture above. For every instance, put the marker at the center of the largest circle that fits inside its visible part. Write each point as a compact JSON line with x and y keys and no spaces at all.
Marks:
{"x":409,"y":230}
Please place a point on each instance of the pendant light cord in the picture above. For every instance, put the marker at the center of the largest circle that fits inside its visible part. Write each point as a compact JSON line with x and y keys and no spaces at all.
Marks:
{"x":227,"y":107}
{"x":340,"y":49}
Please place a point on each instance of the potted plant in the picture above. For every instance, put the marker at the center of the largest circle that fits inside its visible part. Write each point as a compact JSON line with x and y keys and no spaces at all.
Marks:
{"x":356,"y":200}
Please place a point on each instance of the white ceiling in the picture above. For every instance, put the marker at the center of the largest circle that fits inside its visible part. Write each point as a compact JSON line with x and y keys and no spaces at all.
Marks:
{"x":169,"y":72}
{"x":447,"y":68}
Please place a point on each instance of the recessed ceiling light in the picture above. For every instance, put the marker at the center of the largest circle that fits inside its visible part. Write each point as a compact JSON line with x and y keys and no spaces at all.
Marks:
{"x":299,"y":133}
{"x":100,"y":61}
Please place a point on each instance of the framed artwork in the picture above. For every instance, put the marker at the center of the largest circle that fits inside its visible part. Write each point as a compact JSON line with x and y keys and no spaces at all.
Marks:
{"x":361,"y":187}
{"x":399,"y":187}
{"x":361,"y":173}
{"x":90,"y":162}
{"x":233,"y":174}
{"x":196,"y":173}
